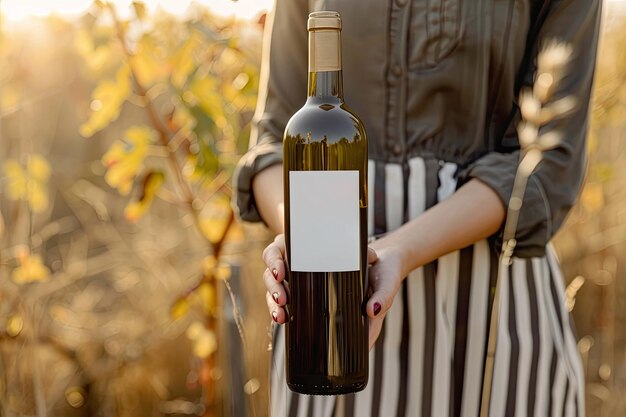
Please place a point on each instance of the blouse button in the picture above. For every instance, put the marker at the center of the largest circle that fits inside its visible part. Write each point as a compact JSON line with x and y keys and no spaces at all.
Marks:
{"x":397,"y":149}
{"x":396,"y":70}
{"x":401,"y":3}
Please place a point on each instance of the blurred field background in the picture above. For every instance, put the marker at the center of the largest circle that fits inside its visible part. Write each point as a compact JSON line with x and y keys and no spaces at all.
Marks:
{"x":120,"y":258}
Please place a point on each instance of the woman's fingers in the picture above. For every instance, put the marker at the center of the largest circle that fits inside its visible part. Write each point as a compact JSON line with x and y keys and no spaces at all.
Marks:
{"x":376,"y":326}
{"x":276,"y":296}
{"x":274,"y":258}
{"x":384,"y":281}
{"x":372,"y":257}
{"x":384,"y":288}
{"x":274,"y":288}
{"x":276,"y":312}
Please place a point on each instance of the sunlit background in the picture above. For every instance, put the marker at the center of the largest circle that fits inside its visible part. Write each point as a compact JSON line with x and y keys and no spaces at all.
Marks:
{"x":22,"y":9}
{"x":120,"y":257}
{"x":247,"y":9}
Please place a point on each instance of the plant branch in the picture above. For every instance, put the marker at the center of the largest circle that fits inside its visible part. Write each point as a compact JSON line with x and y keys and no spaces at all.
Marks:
{"x":159,"y":126}
{"x":166,"y":136}
{"x":217,"y":246}
{"x":528,"y":163}
{"x":533,"y":108}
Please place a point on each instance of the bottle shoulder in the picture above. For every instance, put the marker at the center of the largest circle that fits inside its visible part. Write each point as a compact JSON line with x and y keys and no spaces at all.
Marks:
{"x":319,"y":120}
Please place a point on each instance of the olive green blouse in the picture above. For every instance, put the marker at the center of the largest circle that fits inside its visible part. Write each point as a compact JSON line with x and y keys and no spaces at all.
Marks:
{"x":436,"y":79}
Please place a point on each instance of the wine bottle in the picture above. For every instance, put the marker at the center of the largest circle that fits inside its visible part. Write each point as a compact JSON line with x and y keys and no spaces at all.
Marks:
{"x":325,"y":183}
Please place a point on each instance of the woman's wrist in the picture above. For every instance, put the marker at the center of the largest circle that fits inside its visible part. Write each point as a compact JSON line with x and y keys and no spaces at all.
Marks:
{"x":473,"y":213}
{"x":397,"y":246}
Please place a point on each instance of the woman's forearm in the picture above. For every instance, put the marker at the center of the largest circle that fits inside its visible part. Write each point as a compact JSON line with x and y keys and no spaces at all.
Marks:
{"x":473,"y":213}
{"x":267,"y":187}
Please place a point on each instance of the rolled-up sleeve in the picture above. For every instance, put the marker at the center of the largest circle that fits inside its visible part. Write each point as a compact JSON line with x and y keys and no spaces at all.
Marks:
{"x":554,"y":186}
{"x":282,"y":92}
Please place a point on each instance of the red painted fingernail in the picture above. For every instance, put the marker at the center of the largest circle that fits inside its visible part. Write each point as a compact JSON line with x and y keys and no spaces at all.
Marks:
{"x":275,"y":316}
{"x":275,"y":273}
{"x":275,"y":297}
{"x":377,"y":308}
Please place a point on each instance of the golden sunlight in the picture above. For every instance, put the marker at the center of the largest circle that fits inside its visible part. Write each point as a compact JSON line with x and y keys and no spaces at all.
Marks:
{"x":245,"y":9}
{"x":22,"y":9}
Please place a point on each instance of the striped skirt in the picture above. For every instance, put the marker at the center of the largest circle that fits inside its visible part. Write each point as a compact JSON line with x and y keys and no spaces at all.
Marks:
{"x":429,"y":358}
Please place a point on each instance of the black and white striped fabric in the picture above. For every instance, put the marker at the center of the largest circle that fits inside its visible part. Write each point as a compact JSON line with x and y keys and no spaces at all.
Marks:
{"x":428,"y":361}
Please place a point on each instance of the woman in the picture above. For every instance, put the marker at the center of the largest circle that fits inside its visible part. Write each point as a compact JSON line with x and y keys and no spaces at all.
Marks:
{"x":436,"y":83}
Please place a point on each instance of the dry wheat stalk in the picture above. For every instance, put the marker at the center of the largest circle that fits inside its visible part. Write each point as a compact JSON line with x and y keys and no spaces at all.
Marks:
{"x":537,"y":109}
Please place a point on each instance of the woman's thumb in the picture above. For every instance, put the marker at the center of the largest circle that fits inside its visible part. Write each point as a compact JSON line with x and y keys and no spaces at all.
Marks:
{"x":382,"y":295}
{"x":372,"y":257}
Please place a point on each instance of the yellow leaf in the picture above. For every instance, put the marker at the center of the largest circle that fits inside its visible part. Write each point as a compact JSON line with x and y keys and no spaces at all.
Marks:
{"x":182,"y":119}
{"x":101,"y":58}
{"x":214,"y":217}
{"x":119,"y":174}
{"x":206,"y":294}
{"x":15,"y":324}
{"x":125,"y":157}
{"x":38,"y":168}
{"x":179,"y":308}
{"x":134,"y":211}
{"x":151,"y":184}
{"x":212,"y":228}
{"x":230,"y":58}
{"x":37,"y":196}
{"x":205,"y":344}
{"x":16,"y":178}
{"x":183,"y":62}
{"x":195,"y":329}
{"x":31,"y":269}
{"x":111,"y":94}
{"x":29,"y":184}
{"x":147,"y":65}
{"x":207,"y":94}
{"x":139,"y":8}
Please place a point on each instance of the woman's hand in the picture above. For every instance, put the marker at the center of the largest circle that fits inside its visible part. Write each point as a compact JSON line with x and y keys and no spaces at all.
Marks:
{"x":273,"y":277}
{"x":385,"y":277}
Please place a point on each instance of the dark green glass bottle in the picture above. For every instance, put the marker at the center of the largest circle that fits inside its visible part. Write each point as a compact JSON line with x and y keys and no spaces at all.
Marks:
{"x":325,"y":179}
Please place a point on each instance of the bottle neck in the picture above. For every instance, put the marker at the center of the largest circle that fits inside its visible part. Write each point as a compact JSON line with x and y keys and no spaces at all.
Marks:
{"x":325,"y":77}
{"x":326,"y":84}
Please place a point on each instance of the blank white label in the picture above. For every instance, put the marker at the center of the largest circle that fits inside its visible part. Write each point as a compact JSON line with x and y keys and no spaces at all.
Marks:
{"x":324,"y":221}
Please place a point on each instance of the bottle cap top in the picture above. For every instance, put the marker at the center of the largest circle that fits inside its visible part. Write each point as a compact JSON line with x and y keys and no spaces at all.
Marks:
{"x":324,"y":20}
